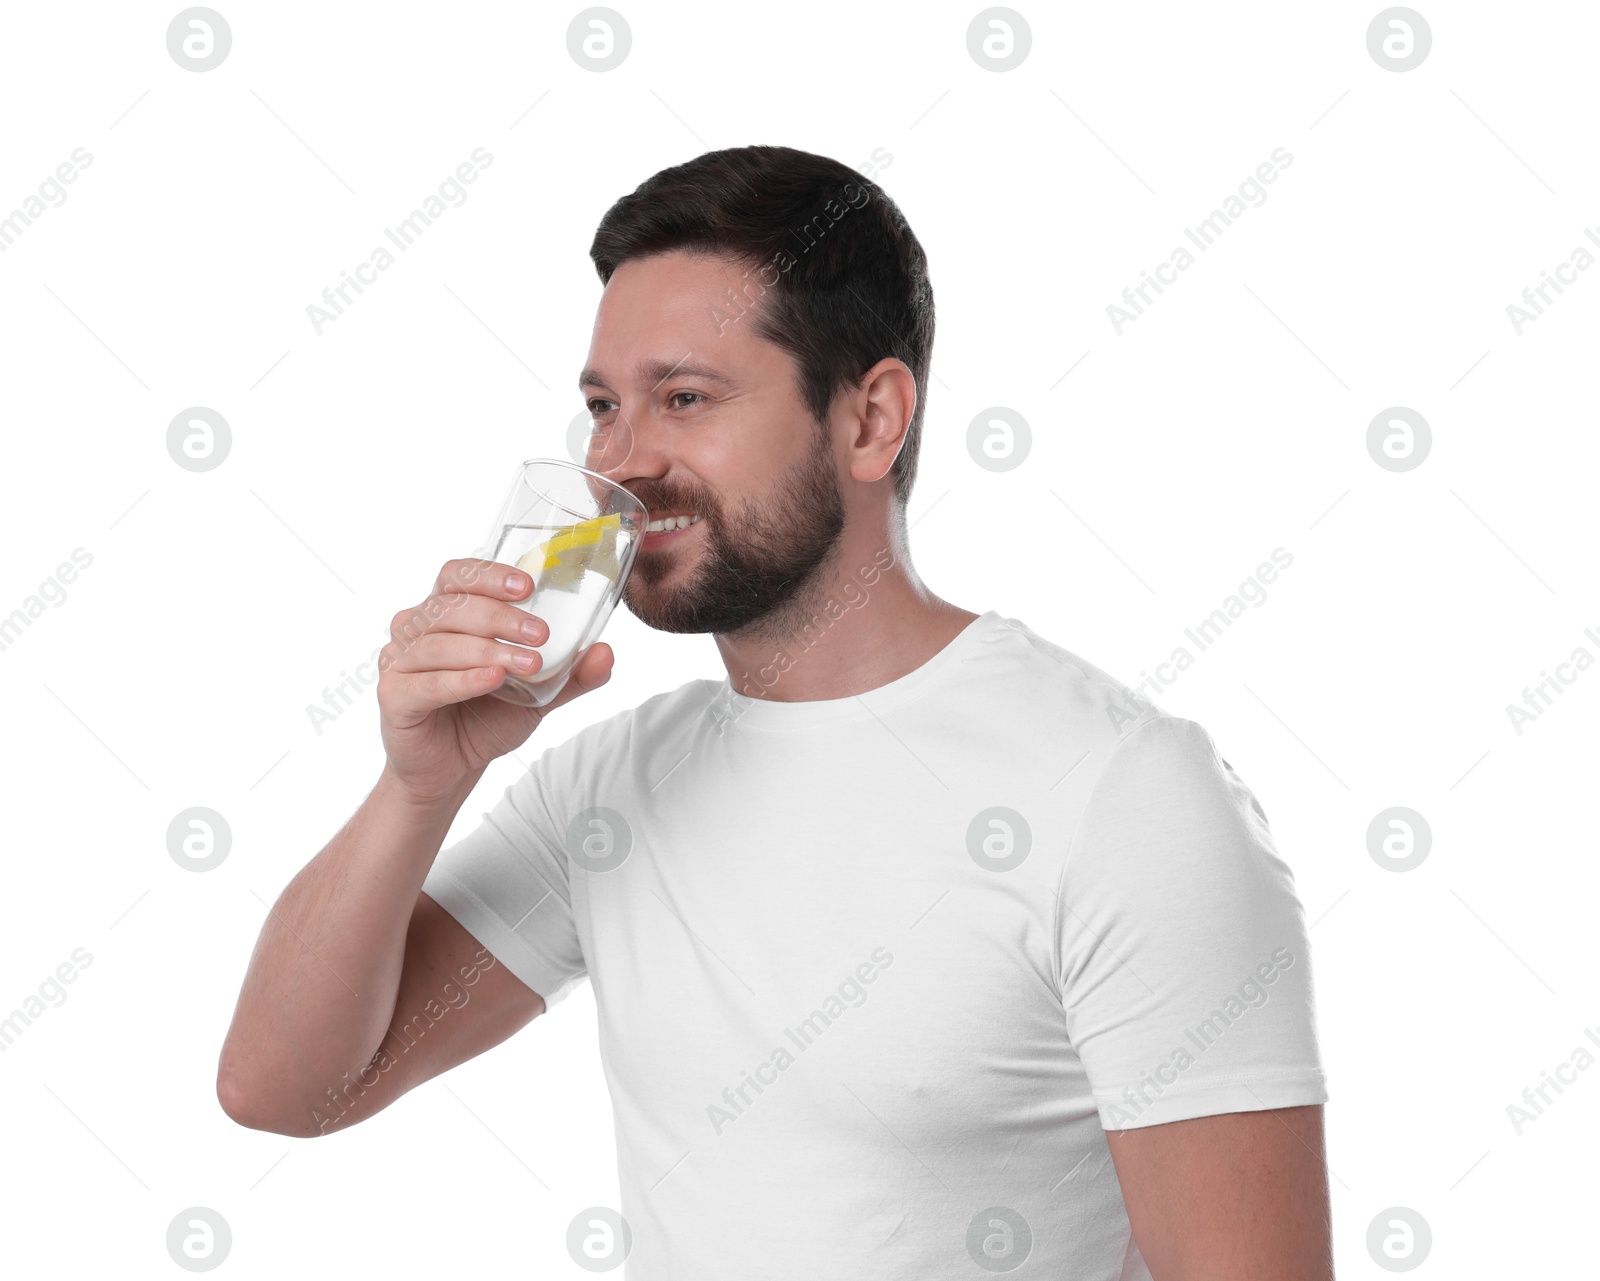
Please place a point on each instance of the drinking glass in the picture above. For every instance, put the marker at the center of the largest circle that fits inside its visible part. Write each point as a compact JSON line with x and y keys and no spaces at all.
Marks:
{"x":575,"y":534}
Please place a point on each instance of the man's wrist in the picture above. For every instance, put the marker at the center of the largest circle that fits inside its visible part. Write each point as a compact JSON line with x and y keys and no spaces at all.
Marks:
{"x":423,"y":808}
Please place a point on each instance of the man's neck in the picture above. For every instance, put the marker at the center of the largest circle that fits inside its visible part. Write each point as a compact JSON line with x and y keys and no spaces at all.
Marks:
{"x":863,"y":625}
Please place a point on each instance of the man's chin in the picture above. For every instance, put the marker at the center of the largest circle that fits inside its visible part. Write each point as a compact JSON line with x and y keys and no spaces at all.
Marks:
{"x":659,"y":612}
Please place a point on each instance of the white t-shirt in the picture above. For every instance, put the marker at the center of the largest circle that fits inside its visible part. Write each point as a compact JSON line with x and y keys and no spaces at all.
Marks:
{"x":875,"y":974}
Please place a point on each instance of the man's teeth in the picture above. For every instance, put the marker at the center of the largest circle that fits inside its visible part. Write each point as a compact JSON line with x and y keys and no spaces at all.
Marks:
{"x":670,"y":523}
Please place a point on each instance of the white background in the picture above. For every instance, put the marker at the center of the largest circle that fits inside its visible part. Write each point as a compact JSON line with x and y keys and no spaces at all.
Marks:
{"x":1228,"y":420}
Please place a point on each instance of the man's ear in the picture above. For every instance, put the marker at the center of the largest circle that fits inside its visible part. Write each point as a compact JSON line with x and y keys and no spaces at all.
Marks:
{"x":885,"y":405}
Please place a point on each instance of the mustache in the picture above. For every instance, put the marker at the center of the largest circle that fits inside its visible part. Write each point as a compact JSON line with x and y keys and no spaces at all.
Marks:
{"x":674,"y":503}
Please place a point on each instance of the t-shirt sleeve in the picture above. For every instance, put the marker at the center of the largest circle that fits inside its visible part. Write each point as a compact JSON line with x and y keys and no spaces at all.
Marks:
{"x":508,"y":884}
{"x":1185,"y":971}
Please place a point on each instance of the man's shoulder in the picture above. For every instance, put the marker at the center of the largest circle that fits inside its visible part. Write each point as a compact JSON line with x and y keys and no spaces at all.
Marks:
{"x":1064,"y":688}
{"x":1130,"y":752}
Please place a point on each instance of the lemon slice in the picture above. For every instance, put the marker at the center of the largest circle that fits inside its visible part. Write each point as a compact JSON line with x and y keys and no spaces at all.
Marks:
{"x":559,"y":562}
{"x":586,"y":533}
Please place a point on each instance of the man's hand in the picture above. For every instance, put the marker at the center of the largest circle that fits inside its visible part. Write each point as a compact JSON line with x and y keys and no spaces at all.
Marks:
{"x":1238,"y":1197}
{"x":439,"y":720}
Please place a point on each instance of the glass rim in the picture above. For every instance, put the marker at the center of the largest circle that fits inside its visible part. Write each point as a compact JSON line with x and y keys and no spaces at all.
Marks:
{"x":578,"y":467}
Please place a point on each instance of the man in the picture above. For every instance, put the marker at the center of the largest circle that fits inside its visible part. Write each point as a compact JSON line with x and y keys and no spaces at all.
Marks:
{"x":920,"y":946}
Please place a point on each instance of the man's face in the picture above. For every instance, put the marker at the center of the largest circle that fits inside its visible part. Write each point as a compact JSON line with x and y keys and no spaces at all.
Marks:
{"x":696,"y":415}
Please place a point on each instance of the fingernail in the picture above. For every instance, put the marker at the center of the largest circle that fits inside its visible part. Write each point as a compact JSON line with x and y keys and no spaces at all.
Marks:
{"x":516,"y":583}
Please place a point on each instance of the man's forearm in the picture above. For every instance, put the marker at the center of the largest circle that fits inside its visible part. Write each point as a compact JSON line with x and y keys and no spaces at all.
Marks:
{"x":320,"y":988}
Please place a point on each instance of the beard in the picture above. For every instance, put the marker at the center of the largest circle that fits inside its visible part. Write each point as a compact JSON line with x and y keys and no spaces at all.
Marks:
{"x":750,"y":578}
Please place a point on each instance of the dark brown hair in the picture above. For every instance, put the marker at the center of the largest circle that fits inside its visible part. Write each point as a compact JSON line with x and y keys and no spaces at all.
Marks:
{"x":842,"y":280}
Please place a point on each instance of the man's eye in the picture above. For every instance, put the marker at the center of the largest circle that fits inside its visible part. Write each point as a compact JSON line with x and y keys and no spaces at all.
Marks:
{"x":696,"y":395}
{"x":597,"y":406}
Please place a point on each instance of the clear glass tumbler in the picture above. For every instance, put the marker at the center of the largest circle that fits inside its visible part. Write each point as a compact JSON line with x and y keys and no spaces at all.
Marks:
{"x":575,"y":534}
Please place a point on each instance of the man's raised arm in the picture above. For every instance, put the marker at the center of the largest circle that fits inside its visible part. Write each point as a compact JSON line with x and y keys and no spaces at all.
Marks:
{"x":352,"y":943}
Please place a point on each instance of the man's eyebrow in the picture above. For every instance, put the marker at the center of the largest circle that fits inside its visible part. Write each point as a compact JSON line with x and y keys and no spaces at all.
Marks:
{"x":656,"y":372}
